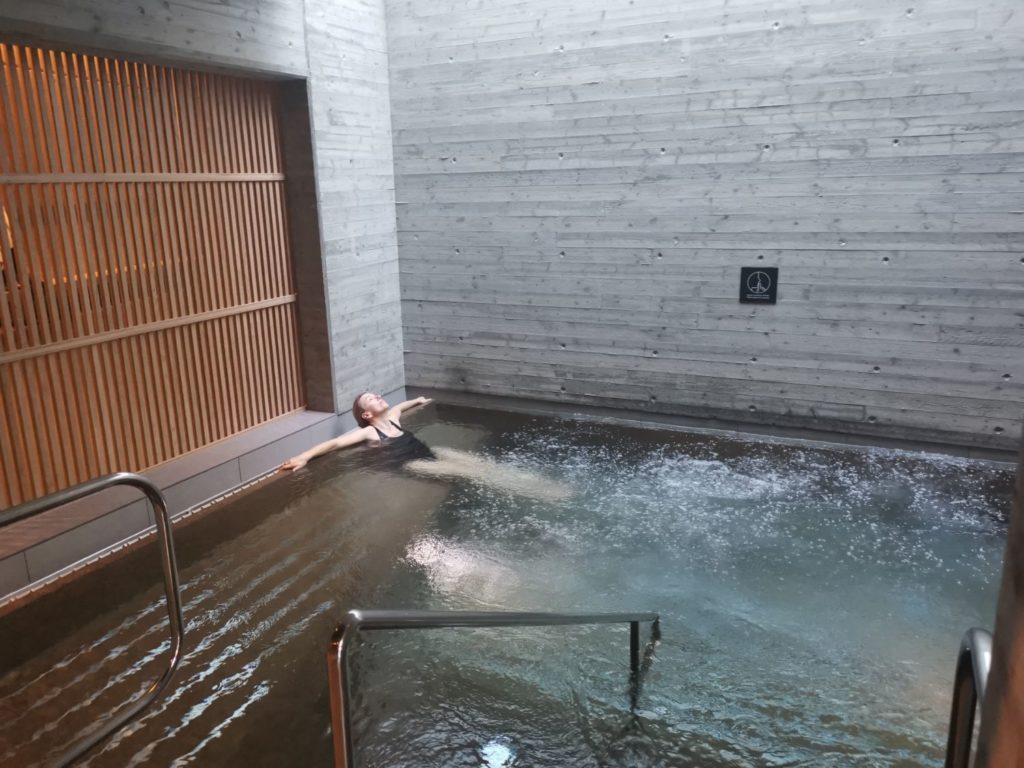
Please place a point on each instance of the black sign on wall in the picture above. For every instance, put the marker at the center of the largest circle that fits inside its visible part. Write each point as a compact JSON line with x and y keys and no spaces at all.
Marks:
{"x":758,"y":285}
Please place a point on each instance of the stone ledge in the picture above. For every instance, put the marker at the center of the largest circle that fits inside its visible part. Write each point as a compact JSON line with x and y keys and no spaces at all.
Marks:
{"x":35,"y":549}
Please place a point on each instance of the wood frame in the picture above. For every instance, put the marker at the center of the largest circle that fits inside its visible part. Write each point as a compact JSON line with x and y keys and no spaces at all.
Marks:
{"x":149,"y":306}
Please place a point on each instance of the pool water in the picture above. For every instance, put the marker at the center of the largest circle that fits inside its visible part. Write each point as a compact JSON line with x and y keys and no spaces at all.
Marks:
{"x":812,"y":602}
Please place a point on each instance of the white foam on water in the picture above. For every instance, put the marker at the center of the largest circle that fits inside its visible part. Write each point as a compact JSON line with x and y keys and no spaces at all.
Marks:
{"x":458,"y":570}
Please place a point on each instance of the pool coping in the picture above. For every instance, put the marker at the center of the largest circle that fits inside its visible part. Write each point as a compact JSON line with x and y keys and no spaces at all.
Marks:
{"x":786,"y":435}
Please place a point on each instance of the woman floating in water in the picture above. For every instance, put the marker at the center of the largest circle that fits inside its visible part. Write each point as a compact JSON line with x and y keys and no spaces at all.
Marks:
{"x":380,"y":424}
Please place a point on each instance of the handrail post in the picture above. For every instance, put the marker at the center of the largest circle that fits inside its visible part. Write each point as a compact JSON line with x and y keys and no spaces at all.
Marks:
{"x":634,"y":647}
{"x":972,"y":666}
{"x":169,"y":565}
{"x":338,"y":690}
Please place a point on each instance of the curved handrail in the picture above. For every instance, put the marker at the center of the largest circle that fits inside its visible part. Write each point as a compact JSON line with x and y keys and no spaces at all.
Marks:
{"x":359,"y":621}
{"x":972,"y":667}
{"x":171,"y":588}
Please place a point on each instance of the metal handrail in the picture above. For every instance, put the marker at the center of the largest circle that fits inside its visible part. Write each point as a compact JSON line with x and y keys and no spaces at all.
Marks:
{"x":972,"y":667}
{"x":170,"y":569}
{"x":359,"y":621}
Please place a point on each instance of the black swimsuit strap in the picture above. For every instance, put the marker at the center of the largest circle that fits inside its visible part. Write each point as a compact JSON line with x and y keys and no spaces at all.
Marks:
{"x":386,"y":437}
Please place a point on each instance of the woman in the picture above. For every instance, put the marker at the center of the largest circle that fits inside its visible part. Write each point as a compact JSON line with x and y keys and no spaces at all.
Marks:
{"x":380,"y":424}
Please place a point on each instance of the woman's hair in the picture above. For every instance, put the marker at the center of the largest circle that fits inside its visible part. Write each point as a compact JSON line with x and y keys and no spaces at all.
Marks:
{"x":358,"y":412}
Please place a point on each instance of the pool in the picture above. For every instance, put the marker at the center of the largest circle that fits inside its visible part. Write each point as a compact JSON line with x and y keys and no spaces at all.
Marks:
{"x":812,"y":602}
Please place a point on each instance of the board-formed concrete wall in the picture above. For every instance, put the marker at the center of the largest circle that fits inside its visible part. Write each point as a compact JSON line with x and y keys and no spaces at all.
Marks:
{"x":340,"y":48}
{"x":580,"y":181}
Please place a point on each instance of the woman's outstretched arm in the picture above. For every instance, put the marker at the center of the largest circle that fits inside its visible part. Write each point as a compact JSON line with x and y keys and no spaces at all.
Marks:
{"x":405,"y":405}
{"x":356,"y":436}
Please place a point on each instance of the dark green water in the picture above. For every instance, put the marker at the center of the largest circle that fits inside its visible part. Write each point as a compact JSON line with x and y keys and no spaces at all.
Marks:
{"x":812,"y":603}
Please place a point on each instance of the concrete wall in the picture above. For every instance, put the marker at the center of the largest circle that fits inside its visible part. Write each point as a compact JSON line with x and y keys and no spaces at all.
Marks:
{"x":340,"y":46}
{"x":579,"y":183}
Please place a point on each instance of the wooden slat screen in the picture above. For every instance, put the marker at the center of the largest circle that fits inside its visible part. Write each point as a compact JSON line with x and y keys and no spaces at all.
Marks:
{"x":148,"y":306}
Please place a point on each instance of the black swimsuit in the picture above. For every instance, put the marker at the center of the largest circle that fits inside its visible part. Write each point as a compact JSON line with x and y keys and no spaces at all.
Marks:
{"x":402,"y":448}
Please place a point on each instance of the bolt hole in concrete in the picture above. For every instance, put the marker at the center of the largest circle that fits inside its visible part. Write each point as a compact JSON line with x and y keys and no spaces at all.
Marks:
{"x":795,"y":583}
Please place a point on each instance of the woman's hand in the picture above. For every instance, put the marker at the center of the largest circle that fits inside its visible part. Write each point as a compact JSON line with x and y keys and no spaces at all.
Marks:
{"x":296,"y":462}
{"x":423,"y":400}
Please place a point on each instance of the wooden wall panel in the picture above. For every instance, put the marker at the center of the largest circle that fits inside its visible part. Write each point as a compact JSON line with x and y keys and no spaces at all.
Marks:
{"x":579,"y":183}
{"x":148,"y":302}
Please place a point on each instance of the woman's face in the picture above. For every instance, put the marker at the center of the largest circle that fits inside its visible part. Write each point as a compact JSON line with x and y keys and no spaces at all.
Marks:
{"x":372,"y":404}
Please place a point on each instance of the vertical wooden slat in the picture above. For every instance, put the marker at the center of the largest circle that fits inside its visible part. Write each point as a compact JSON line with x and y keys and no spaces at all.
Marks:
{"x":71,"y":442}
{"x":267,"y":255}
{"x":98,"y":109}
{"x":83,"y":123}
{"x":244,"y":91}
{"x":280,"y":239}
{"x":28,"y":248}
{"x":75,"y":272}
{"x":82,"y":129}
{"x":201,"y":92}
{"x":44,"y":424}
{"x":124,"y":108}
{"x":156,"y":278}
{"x":7,"y":317}
{"x":7,"y":471}
{"x":141,"y":379}
{"x":169,"y":400}
{"x":260,"y":141}
{"x":62,"y":259}
{"x":104,"y":404}
{"x":145,"y":303}
{"x":220,"y":372}
{"x":235,"y":217}
{"x":111,"y":399}
{"x":186,"y":392}
{"x":120,"y":225}
{"x":212,"y":424}
{"x":12,"y":453}
{"x":9,"y":114}
{"x":31,"y":156}
{"x":18,"y":279}
{"x":33,"y":244}
{"x":252,"y":244}
{"x":184,"y":257}
{"x":275,"y":383}
{"x":129,"y":399}
{"x":231,"y":383}
{"x":236,"y":359}
{"x":142,"y":114}
{"x":219,"y":239}
{"x":75,"y":390}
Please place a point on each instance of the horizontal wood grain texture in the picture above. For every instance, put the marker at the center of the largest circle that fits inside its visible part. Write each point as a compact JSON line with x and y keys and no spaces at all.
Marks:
{"x":578,"y":185}
{"x":149,"y":305}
